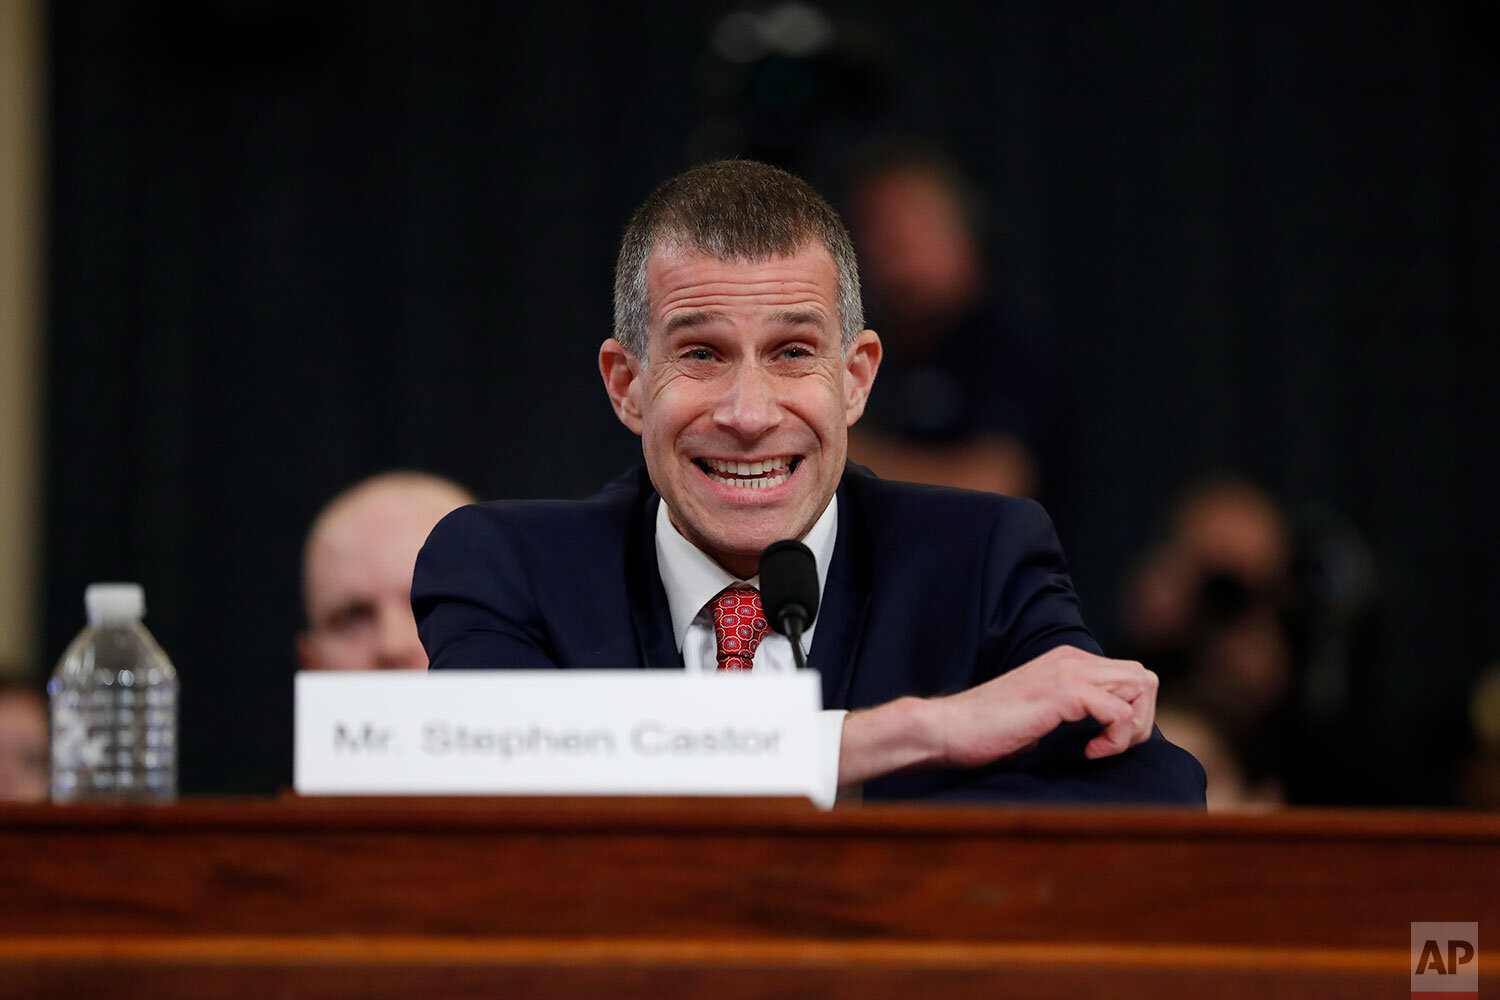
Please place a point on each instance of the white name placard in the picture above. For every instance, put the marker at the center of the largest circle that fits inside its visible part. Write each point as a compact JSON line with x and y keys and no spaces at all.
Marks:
{"x":555,"y":732}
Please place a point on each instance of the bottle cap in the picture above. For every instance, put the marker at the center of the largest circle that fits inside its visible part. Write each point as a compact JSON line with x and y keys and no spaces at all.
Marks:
{"x":114,"y":603}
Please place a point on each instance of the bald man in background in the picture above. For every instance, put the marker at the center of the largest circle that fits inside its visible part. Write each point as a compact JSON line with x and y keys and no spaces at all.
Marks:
{"x":357,"y":567}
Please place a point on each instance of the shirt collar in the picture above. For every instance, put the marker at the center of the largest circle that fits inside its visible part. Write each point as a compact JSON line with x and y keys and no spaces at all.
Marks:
{"x":691,"y":579}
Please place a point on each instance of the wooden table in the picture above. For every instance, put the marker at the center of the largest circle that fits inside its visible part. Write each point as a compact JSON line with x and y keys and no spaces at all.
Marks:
{"x":724,"y":899}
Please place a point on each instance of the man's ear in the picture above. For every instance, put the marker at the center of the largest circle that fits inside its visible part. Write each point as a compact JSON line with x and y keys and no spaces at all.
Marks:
{"x":861,"y":362}
{"x":622,"y":380}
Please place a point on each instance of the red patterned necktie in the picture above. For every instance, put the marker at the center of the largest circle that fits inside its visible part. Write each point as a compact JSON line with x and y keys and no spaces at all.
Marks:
{"x":739,"y":626}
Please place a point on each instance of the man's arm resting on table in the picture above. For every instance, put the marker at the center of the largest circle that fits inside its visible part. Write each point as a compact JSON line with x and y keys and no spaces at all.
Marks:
{"x":1002,"y":717}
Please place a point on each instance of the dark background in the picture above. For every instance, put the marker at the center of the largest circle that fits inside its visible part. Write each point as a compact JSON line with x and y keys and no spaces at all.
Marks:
{"x":296,"y":243}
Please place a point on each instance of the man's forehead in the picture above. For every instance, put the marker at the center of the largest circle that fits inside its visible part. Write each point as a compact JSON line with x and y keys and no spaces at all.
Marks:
{"x":335,"y":571}
{"x":382,"y":513}
{"x":363,"y":544}
{"x":684,"y":278}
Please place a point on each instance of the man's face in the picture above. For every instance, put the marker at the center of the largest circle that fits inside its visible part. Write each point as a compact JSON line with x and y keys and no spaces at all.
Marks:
{"x":745,"y":406}
{"x":358,"y":581}
{"x":23,"y":748}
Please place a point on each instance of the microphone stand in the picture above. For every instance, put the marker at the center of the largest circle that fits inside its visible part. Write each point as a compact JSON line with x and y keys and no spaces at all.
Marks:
{"x":791,"y":627}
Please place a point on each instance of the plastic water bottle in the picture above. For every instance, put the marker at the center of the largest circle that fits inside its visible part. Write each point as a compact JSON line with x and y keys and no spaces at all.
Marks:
{"x":114,"y":705}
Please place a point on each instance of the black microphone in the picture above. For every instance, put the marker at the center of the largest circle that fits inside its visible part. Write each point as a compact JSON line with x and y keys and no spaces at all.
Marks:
{"x":789,"y":591}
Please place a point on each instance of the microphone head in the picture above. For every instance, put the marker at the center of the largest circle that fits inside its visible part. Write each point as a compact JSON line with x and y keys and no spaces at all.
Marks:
{"x":788,"y":584}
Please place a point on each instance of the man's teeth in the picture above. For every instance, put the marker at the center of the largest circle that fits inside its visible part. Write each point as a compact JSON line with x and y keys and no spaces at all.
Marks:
{"x":748,"y":468}
{"x":749,"y":475}
{"x":760,"y":483}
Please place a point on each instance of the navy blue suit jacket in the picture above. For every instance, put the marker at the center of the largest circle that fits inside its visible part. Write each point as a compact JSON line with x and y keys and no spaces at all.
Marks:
{"x":930,"y":591}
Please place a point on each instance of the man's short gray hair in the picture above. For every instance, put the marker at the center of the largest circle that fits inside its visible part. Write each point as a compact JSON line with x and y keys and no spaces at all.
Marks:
{"x":733,"y":210}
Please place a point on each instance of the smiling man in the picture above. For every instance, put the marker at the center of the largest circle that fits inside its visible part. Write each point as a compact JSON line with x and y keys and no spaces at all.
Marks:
{"x":953,"y":657}
{"x":744,"y":399}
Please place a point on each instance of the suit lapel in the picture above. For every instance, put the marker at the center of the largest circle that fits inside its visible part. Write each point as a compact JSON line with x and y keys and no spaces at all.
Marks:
{"x":649,"y":612}
{"x":845,"y":602}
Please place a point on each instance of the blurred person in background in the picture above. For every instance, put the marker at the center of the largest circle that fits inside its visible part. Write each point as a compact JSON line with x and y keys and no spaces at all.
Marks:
{"x":1207,"y":604}
{"x":23,"y":743}
{"x":357,"y":568}
{"x":1209,"y":608}
{"x":966,"y":398}
{"x":1264,"y":634}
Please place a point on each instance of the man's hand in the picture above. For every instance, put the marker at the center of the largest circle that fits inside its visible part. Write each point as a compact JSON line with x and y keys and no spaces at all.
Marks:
{"x":1003,"y":717}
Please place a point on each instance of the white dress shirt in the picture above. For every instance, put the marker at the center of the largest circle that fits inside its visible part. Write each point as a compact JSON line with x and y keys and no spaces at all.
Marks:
{"x":692,"y":580}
